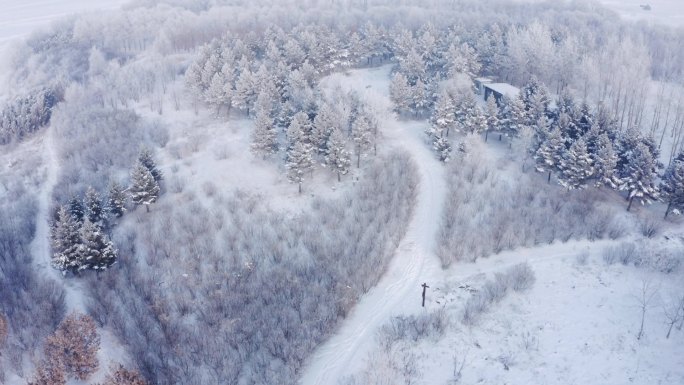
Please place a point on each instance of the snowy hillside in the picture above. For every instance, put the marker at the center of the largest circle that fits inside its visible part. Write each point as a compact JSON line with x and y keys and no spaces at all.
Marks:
{"x":341,"y":193}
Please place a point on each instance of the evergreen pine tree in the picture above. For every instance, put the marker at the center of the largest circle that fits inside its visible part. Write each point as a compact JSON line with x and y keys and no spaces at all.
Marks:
{"x":516,"y":117}
{"x":550,"y":153}
{"x":605,"y":161}
{"x":76,"y":208}
{"x":443,"y":148}
{"x":400,"y":93}
{"x":144,"y":189}
{"x":116,"y":200}
{"x":576,"y":166}
{"x":93,"y":206}
{"x":362,"y":136}
{"x":265,"y":135}
{"x":337,"y":158}
{"x":145,"y":158}
{"x":443,"y":118}
{"x":95,"y":251}
{"x":323,"y":125}
{"x":639,"y":180}
{"x":672,"y":186}
{"x":492,"y":113}
{"x":299,"y":162}
{"x":65,"y":242}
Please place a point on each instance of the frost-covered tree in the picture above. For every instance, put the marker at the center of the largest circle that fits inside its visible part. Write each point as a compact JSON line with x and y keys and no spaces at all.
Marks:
{"x":576,"y":166}
{"x":362,"y":136}
{"x":299,"y":162}
{"x":400,"y":93}
{"x":299,"y":130}
{"x":605,"y":163}
{"x":550,"y":153}
{"x":145,"y":158}
{"x":639,"y":180}
{"x":93,"y":206}
{"x":76,"y":208}
{"x":419,"y":97}
{"x":245,"y":91}
{"x":144,"y":188}
{"x":443,"y":119}
{"x":323,"y":125}
{"x":265,"y":134}
{"x":338,"y":158}
{"x":492,"y":114}
{"x":443,"y":148}
{"x":65,"y":242}
{"x":516,"y":117}
{"x":672,"y":186}
{"x":218,"y":94}
{"x":96,"y":251}
{"x":116,"y":200}
{"x":476,"y":122}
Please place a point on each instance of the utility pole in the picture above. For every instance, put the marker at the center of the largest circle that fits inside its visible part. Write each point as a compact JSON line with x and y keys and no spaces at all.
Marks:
{"x":425,"y":286}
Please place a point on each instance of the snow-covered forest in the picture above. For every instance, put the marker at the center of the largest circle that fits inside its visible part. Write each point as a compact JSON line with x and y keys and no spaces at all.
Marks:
{"x":342,"y":192}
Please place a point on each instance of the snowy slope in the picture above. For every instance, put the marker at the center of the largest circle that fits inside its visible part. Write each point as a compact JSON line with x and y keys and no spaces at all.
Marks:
{"x":21,"y":17}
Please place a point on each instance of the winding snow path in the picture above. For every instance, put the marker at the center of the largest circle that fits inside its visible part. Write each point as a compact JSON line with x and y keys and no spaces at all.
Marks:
{"x":399,"y":289}
{"x":40,"y":247}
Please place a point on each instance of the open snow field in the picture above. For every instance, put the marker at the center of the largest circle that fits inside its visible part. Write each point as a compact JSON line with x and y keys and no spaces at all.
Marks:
{"x":668,"y":12}
{"x":19,"y":18}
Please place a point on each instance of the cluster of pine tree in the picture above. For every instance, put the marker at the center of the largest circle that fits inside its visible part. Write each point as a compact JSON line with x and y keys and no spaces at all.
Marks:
{"x":79,"y":237}
{"x":585,"y":147}
{"x":278,"y":88}
{"x":27,"y":114}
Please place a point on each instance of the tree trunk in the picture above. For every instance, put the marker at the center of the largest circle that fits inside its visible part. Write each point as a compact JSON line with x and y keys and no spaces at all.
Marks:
{"x":629,"y":206}
{"x":300,"y":187}
{"x":670,"y":329}
{"x":358,"y":159}
{"x":667,"y":211}
{"x":641,"y":329}
{"x":147,"y":207}
{"x":339,"y":178}
{"x":548,"y":179}
{"x":500,"y":136}
{"x":486,"y":136}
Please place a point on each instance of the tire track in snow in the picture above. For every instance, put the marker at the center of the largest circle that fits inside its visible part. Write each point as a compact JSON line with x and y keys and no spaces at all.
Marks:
{"x":398,"y":290}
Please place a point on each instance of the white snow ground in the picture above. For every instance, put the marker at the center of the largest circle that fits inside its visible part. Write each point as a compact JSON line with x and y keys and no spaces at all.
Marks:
{"x":667,"y":12}
{"x":577,"y":325}
{"x":21,"y":17}
{"x":399,"y":288}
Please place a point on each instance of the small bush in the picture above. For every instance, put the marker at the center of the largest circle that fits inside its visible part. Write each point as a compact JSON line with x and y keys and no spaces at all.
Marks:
{"x":625,"y":253}
{"x":649,"y":227}
{"x":521,"y":277}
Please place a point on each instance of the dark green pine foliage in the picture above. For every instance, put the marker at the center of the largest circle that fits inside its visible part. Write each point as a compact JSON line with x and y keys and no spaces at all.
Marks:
{"x":65,"y":242}
{"x":96,"y":251}
{"x":145,"y":157}
{"x":76,"y":208}
{"x":116,"y":200}
{"x":93,"y":206}
{"x":672,"y":186}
